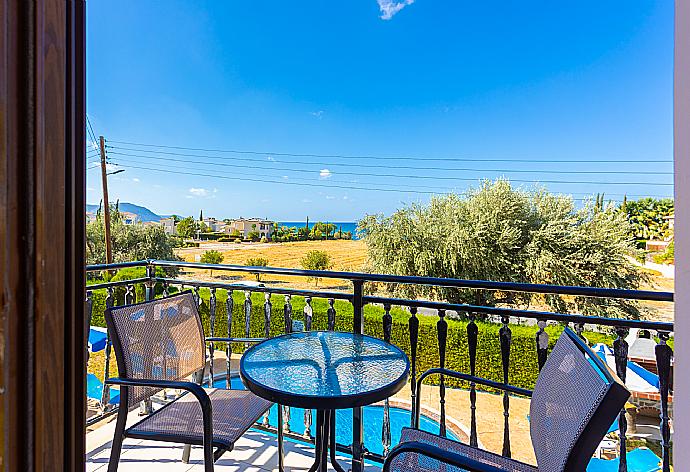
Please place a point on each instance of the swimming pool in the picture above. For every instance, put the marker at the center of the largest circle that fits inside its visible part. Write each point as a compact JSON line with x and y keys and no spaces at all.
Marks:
{"x":372,"y":419}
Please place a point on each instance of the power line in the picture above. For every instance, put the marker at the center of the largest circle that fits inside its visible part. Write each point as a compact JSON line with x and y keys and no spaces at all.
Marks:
{"x":362,"y":174}
{"x":90,"y":129}
{"x":311,"y":185}
{"x":373,"y":157}
{"x":126,"y":162}
{"x":525,"y":171}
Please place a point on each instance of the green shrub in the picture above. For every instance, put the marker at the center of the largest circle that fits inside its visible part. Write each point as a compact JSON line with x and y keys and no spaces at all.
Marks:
{"x":316,"y":260}
{"x":257,"y":262}
{"x":238,"y":241}
{"x":666,"y":257}
{"x":263,"y":239}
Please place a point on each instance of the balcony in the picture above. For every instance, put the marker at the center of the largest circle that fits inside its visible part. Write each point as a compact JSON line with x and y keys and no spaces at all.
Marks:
{"x":505,"y":343}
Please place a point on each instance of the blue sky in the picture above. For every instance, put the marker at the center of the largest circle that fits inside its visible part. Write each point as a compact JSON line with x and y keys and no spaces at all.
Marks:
{"x":584,"y":82}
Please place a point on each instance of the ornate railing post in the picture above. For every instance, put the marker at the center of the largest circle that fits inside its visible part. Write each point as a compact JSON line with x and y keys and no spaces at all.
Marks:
{"x":542,"y":339}
{"x":664,"y":353}
{"x":268,"y":308}
{"x":287,"y":316}
{"x":247,"y":315}
{"x":331,"y":314}
{"x":229,"y":305}
{"x":472,"y":333}
{"x":442,"y":335}
{"x":105,"y":396}
{"x":88,"y":310}
{"x":505,"y":338}
{"x":620,"y":352}
{"x":357,"y":421}
{"x":386,"y":429}
{"x":308,"y":318}
{"x":212,"y":332}
{"x":414,"y":336}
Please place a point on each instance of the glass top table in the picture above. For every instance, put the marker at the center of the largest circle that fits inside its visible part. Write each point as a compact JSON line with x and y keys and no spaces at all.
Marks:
{"x":323,"y":370}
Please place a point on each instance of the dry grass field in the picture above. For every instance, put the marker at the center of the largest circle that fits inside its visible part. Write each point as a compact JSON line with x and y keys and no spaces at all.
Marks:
{"x":345,"y":256}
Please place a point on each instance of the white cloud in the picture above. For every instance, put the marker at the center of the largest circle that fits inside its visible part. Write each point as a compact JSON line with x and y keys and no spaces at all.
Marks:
{"x":306,"y":200}
{"x":90,"y":189}
{"x":317,"y":114}
{"x":136,"y":179}
{"x":111,"y":167}
{"x":325,"y":174}
{"x":271,"y":158}
{"x":198,"y":192}
{"x":345,"y":197}
{"x":285,"y":177}
{"x":330,"y":197}
{"x":390,"y":7}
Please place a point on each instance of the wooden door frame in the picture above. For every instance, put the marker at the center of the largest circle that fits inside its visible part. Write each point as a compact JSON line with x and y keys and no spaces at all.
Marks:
{"x":42,"y":222}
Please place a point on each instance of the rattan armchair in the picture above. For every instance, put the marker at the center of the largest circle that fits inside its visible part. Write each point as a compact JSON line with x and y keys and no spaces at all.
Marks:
{"x":575,"y":401}
{"x":160,"y":345}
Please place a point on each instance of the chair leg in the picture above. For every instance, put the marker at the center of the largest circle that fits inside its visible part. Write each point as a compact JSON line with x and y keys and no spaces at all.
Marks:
{"x":116,"y":448}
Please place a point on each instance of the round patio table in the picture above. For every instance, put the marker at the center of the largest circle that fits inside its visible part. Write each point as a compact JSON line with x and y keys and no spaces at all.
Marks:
{"x":325,"y":371}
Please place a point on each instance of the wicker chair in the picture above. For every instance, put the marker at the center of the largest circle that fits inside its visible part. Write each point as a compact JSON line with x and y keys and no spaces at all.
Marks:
{"x":160,"y":345}
{"x":575,"y":401}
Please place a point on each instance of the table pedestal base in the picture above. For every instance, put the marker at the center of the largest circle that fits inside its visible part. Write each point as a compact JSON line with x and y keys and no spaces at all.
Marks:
{"x":325,"y":438}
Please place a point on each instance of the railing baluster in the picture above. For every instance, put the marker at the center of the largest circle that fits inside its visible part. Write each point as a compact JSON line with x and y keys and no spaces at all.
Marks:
{"x":542,"y":343}
{"x":212,"y":332}
{"x":386,"y":429}
{"x":664,"y":353}
{"x":472,"y":332}
{"x":287,"y":316}
{"x":442,"y":332}
{"x":197,"y":297}
{"x":166,"y":288}
{"x":414,"y":336}
{"x":620,"y":353}
{"x":229,"y":305}
{"x":331,"y":314}
{"x":247,"y":315}
{"x":88,"y":309}
{"x":505,"y":336}
{"x":129,"y":295}
{"x":268,"y":307}
{"x":105,"y":395}
{"x":308,"y":316}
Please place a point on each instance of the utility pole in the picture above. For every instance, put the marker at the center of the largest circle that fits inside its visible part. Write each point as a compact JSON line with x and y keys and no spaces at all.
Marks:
{"x":106,"y":215}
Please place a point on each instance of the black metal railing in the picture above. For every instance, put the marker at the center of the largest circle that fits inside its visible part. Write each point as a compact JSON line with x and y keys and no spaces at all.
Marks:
{"x":415,"y":310}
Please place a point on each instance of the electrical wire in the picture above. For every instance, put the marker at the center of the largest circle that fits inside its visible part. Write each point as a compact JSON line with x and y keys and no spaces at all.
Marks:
{"x":373,"y":157}
{"x":362,"y":174}
{"x":377,"y":166}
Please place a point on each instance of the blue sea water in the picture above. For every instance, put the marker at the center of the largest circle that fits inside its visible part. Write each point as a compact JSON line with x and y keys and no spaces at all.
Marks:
{"x":345,"y":225}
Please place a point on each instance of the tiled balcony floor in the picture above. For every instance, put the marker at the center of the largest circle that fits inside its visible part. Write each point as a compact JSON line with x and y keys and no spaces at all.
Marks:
{"x":256,"y":451}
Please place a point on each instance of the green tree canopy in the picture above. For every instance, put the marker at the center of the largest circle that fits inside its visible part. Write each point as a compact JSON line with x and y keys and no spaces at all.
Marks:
{"x":496,"y":232}
{"x":187,"y":227}
{"x":129,"y":242}
{"x":646,"y":217}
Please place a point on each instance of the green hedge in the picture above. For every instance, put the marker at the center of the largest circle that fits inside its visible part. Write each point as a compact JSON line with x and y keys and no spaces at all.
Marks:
{"x":523,"y":356}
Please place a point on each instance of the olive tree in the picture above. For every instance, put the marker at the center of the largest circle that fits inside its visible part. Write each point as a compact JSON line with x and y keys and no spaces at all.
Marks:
{"x":500,"y":233}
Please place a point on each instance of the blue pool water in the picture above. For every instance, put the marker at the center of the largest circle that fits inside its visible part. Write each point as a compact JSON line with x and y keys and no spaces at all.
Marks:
{"x":373,"y":422}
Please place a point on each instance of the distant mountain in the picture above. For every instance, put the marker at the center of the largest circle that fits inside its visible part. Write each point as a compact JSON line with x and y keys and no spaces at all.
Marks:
{"x":144,"y":213}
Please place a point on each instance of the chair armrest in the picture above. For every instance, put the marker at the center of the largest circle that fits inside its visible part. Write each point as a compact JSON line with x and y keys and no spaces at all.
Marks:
{"x":195,"y":389}
{"x":441,"y":455}
{"x":216,"y":339}
{"x":475,"y":379}
{"x":466,"y":377}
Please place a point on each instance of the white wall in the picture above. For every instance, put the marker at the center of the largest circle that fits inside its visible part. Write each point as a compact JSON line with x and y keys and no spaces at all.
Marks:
{"x":681,"y":136}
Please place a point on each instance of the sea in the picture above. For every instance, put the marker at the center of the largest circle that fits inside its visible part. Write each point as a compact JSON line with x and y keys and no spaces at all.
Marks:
{"x":345,"y":225}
